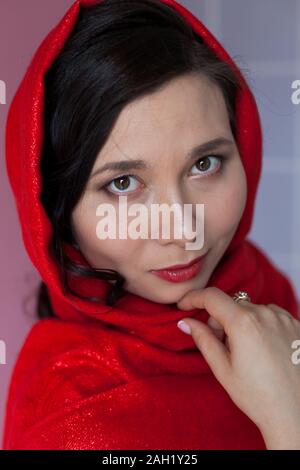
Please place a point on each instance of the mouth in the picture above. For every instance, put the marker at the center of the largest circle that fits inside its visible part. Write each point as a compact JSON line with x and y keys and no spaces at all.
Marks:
{"x":181,"y":273}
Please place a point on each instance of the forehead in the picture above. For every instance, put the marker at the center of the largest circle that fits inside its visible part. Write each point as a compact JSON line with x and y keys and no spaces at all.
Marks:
{"x":187,"y":110}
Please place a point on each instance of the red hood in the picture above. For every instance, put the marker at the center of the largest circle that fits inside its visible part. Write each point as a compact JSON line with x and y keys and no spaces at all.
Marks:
{"x":80,"y":384}
{"x":24,"y":141}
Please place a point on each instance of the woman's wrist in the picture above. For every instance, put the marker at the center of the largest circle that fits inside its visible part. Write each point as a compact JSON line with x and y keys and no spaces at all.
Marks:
{"x":283,"y":437}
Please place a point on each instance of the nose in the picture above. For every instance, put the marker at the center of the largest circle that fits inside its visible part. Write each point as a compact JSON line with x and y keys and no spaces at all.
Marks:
{"x":173,"y":221}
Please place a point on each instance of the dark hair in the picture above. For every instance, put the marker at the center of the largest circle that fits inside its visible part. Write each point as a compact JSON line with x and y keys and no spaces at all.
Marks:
{"x":119,"y":50}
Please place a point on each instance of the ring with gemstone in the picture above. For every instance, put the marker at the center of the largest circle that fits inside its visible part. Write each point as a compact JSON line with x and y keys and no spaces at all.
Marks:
{"x":241,"y":295}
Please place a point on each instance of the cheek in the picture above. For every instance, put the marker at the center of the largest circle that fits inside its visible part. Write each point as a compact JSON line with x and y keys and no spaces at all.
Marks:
{"x":111,"y":254}
{"x":226,"y":207}
{"x":102,"y":253}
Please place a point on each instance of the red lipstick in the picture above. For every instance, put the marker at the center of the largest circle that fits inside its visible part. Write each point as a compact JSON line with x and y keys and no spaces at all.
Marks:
{"x":181,"y":272}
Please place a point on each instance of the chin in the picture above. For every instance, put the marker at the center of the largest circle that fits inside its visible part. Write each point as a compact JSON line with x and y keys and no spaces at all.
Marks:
{"x":168,"y":297}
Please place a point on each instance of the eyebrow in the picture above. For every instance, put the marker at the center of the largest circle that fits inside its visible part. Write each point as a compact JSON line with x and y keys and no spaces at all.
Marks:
{"x":125,"y":165}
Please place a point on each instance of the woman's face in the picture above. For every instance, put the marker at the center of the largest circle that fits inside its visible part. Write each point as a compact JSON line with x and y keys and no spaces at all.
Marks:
{"x":161,"y":129}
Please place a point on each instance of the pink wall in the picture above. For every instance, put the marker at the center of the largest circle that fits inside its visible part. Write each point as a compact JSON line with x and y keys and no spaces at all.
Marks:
{"x":23,"y":24}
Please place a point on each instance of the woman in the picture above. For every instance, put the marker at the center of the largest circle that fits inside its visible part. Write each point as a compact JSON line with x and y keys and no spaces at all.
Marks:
{"x":108,"y":368}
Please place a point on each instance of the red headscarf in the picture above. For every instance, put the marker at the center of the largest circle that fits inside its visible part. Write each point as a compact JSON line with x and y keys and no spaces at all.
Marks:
{"x":123,"y":377}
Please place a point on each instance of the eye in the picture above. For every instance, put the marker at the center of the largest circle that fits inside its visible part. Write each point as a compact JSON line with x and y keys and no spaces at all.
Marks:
{"x":121,"y":184}
{"x":209,"y":164}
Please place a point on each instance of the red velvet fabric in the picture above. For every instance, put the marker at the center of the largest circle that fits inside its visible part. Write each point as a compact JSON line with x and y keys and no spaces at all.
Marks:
{"x":123,"y":377}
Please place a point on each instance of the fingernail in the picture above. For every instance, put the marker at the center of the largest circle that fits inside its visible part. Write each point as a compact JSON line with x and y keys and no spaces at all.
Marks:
{"x":184,"y":327}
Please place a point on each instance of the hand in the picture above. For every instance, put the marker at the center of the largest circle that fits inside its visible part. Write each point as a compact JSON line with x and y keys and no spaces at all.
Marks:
{"x":249,"y":349}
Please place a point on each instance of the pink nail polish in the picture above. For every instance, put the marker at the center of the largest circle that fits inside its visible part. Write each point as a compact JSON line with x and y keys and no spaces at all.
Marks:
{"x":184,"y":327}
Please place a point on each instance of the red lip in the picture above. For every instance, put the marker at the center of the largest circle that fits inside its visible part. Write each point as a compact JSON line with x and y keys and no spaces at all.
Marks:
{"x":180,"y":266}
{"x":181,"y":274}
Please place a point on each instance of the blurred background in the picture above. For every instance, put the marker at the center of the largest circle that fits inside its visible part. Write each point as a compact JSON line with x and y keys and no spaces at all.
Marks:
{"x":263,"y":37}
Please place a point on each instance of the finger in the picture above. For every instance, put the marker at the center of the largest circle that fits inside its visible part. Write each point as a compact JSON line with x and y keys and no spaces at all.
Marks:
{"x":214,"y":323}
{"x":274,"y":307}
{"x":214,"y":351}
{"x":217,"y":303}
{"x":226,"y":342}
{"x":279,"y":310}
{"x":217,"y":328}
